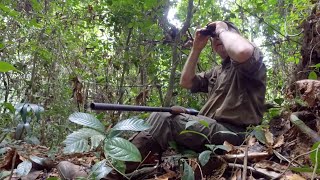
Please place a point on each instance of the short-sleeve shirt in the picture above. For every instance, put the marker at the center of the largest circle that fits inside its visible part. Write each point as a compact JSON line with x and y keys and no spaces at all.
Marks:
{"x":236,"y":91}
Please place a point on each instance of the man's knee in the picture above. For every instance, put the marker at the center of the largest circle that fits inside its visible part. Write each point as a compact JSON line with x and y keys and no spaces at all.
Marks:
{"x":158,"y":117}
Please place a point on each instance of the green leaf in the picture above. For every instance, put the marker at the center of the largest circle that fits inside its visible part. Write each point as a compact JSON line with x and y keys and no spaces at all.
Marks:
{"x":313,"y":75}
{"x":6,"y":67}
{"x":4,"y":174}
{"x":87,"y":120}
{"x":78,"y":140}
{"x":132,"y":124}
{"x":100,"y":169}
{"x":303,"y":169}
{"x":194,"y":132}
{"x":38,"y":160}
{"x":213,"y":147}
{"x":191,"y":123}
{"x":316,"y":66}
{"x":121,"y":149}
{"x":259,"y":134}
{"x":173,"y":145}
{"x":204,"y":157}
{"x":24,"y":168}
{"x":119,"y":165}
{"x":9,"y":106}
{"x":19,"y":131}
{"x":315,"y":156}
{"x":225,"y":132}
{"x":204,"y":123}
{"x":188,"y":173}
{"x":53,"y":178}
{"x":279,"y":101}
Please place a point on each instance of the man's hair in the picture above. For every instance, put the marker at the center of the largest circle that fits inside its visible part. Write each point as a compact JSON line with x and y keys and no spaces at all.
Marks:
{"x":231,"y":25}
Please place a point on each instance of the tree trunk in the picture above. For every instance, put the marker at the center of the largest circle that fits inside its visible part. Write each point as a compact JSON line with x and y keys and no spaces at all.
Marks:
{"x":310,"y":50}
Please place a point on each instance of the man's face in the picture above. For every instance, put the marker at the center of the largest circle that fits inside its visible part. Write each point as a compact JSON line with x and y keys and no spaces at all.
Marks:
{"x":218,"y":47}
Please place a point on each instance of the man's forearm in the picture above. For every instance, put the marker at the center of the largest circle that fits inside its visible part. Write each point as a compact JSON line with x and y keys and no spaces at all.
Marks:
{"x":189,"y":69}
{"x":237,"y":47}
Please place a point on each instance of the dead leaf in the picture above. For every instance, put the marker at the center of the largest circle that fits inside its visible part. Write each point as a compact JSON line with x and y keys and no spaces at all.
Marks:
{"x":170,"y":174}
{"x":309,"y":90}
{"x":32,"y":175}
{"x":252,"y":141}
{"x":293,"y":177}
{"x":279,"y":141}
{"x":270,"y":165}
{"x":269,"y":138}
{"x":8,"y":160}
{"x":229,"y":147}
{"x":237,"y":175}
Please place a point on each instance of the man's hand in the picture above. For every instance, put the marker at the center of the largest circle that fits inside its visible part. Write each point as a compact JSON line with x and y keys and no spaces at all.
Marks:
{"x":219,"y":26}
{"x":200,"y":41}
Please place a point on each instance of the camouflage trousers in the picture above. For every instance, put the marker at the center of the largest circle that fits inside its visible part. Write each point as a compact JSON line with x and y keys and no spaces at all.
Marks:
{"x":166,"y":127}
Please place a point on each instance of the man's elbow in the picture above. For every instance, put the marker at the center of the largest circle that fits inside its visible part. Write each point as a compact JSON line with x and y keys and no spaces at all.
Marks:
{"x":244,"y":54}
{"x":185,"y":84}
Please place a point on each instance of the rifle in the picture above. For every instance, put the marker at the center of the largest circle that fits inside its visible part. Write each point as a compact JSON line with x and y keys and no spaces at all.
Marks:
{"x":120,"y":107}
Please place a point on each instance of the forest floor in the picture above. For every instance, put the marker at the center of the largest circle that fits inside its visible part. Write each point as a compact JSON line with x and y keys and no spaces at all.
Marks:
{"x":286,"y":148}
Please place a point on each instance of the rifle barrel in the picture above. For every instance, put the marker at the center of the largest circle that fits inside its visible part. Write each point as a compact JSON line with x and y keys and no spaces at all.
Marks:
{"x":120,"y":107}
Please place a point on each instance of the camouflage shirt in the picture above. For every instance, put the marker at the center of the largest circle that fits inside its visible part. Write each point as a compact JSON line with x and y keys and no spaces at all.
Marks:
{"x":236,"y":91}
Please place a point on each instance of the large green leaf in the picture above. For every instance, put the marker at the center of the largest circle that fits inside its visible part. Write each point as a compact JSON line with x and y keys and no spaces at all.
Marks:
{"x":24,"y":168}
{"x":78,"y":140}
{"x":188,"y":173}
{"x":121,"y":149}
{"x":119,"y":165}
{"x":100,"y":169}
{"x":132,"y":124}
{"x":204,"y":157}
{"x":6,"y":67}
{"x":87,"y":120}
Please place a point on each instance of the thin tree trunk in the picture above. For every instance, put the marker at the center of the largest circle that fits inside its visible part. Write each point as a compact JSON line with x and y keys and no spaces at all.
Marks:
{"x":176,"y":55}
{"x":125,"y":68}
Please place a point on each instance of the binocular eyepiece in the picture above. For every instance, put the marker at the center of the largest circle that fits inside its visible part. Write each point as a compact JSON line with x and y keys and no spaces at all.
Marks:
{"x":209,"y":31}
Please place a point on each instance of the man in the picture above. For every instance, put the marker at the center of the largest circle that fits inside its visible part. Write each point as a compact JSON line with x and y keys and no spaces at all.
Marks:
{"x":236,"y":92}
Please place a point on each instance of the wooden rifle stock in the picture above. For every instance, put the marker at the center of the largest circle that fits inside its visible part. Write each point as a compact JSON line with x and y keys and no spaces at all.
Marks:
{"x":120,"y":107}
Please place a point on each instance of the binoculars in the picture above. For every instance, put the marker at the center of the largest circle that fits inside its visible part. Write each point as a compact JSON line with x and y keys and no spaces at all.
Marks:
{"x":209,"y":31}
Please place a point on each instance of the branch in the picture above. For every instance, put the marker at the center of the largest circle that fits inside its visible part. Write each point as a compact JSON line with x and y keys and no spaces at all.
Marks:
{"x":264,"y":172}
{"x":262,"y":20}
{"x":187,"y":23}
{"x":303,"y":127}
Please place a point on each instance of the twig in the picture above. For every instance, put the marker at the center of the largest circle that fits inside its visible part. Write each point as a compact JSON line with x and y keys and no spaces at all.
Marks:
{"x":13,"y":163}
{"x":242,"y":156}
{"x":292,"y":161}
{"x":281,"y":157}
{"x":144,"y":170}
{"x":310,"y":57}
{"x":264,"y":172}
{"x":140,"y":163}
{"x":245,"y":163}
{"x":199,"y":167}
{"x":316,"y":165}
{"x":117,"y":169}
